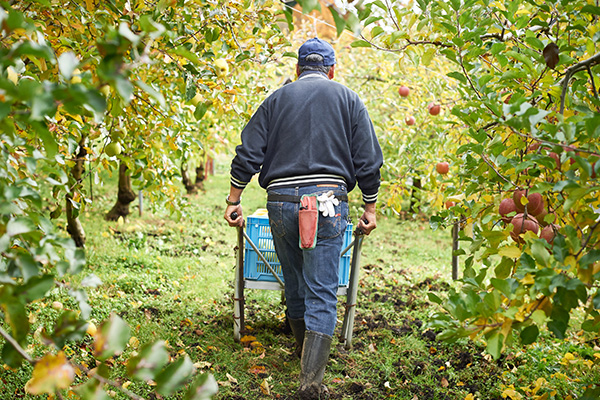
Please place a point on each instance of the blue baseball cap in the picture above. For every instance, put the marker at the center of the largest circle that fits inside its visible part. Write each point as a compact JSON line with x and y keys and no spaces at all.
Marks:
{"x":316,"y":46}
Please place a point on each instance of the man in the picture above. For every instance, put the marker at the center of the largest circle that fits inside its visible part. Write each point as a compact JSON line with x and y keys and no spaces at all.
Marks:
{"x":310,"y":137}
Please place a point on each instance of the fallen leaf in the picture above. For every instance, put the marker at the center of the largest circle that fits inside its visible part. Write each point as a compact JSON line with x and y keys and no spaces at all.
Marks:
{"x":264,"y":387}
{"x":247,"y":339}
{"x":444,"y":383}
{"x":232,"y":379}
{"x":51,"y":373}
{"x":257,"y":369}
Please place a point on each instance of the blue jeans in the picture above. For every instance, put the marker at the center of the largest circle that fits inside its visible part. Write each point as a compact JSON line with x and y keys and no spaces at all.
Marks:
{"x":311,"y":275}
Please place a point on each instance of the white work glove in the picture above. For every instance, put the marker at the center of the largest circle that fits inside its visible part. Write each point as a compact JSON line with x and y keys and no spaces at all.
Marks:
{"x":327,"y":203}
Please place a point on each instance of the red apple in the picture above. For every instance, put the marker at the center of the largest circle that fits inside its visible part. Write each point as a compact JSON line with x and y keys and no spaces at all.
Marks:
{"x":541,"y":217}
{"x":434,"y":109}
{"x":442,"y":167}
{"x":410,"y":120}
{"x":403,"y":91}
{"x":521,"y":225}
{"x":533,"y":147}
{"x":506,"y":207}
{"x":536,"y":204}
{"x":517,"y":194}
{"x":449,"y":204}
{"x":556,"y":159}
{"x":549,"y":232}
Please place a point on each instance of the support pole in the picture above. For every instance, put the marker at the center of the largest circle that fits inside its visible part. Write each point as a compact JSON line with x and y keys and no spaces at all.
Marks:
{"x":141,"y":201}
{"x":454,"y":249}
{"x":352,"y":291}
{"x":238,"y":293}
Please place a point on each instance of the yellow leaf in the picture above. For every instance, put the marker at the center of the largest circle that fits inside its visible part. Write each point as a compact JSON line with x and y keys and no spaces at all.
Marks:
{"x":51,"y":373}
{"x":528,"y":280}
{"x":247,"y":339}
{"x":469,"y":396}
{"x":510,"y":252}
{"x":134,"y":342}
{"x":264,"y":387}
{"x":511,"y":393}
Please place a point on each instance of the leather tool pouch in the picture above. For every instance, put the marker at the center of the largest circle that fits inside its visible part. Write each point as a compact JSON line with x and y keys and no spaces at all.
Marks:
{"x":308,"y":220}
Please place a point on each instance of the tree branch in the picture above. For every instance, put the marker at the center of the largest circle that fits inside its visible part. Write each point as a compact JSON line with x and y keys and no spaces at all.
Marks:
{"x":16,"y":345}
{"x":589,"y":70}
{"x":572,"y":70}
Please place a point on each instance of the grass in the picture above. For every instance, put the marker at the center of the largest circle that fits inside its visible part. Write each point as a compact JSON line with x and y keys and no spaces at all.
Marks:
{"x":173,"y":280}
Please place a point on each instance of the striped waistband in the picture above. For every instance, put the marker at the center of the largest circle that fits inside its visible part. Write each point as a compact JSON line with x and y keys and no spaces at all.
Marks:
{"x":306,"y":180}
{"x":289,"y":198}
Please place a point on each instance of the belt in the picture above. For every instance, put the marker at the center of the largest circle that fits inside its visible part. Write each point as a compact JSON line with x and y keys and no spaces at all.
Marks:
{"x":290,"y":198}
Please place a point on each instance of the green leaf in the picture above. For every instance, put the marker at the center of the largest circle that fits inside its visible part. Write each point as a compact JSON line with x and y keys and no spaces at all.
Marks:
{"x":203,"y":388}
{"x":155,"y":94}
{"x":92,"y":390}
{"x":529,"y":334}
{"x":67,"y":62}
{"x":20,"y":225}
{"x":540,"y":253}
{"x":340,"y":23}
{"x":590,"y":9}
{"x":112,"y":338}
{"x":376,"y":31}
{"x":27,"y":265}
{"x":182,"y":51}
{"x":505,"y":286}
{"x":82,"y":299}
{"x":174,"y":376}
{"x":494,"y":344}
{"x":149,"y":361}
{"x":434,"y":298}
{"x":124,"y":88}
{"x":309,"y":5}
{"x":380,"y":4}
{"x":48,"y":139}
{"x":34,"y":49}
{"x":574,"y":196}
{"x":67,"y":327}
{"x":428,"y":56}
{"x":504,"y":269}
{"x":360,"y":43}
{"x":36,"y":288}
{"x":201,"y":109}
{"x":559,"y":321}
{"x":127,"y":34}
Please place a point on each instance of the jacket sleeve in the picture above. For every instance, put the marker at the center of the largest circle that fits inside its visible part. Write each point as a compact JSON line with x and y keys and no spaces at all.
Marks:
{"x":367,"y":156}
{"x":250,"y":154}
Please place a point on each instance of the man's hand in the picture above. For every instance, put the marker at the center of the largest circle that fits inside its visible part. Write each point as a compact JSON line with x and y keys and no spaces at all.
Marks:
{"x":237,"y":213}
{"x":368,"y":221}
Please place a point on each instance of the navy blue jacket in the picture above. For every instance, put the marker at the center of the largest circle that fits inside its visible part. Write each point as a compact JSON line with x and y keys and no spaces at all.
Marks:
{"x":311,"y":131}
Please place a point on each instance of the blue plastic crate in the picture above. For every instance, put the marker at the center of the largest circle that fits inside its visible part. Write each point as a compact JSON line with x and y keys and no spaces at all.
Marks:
{"x":259,"y":231}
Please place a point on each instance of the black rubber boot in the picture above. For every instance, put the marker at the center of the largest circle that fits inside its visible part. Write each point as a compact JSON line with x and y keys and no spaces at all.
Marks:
{"x":298,"y":327}
{"x":315,"y":353}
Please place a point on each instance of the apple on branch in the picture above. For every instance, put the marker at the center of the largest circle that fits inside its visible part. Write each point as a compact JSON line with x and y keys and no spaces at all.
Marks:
{"x":442,"y":167}
{"x":403,"y":91}
{"x":434,"y":108}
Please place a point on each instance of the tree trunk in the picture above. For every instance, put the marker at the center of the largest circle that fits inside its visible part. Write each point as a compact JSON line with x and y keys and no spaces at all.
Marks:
{"x":200,"y":177}
{"x":190,"y":187}
{"x":125,"y":196}
{"x":74,"y":226}
{"x":413,"y":196}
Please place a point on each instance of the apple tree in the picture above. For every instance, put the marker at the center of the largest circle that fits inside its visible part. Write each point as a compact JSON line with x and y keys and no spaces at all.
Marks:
{"x":92,"y":86}
{"x":526,"y":76}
